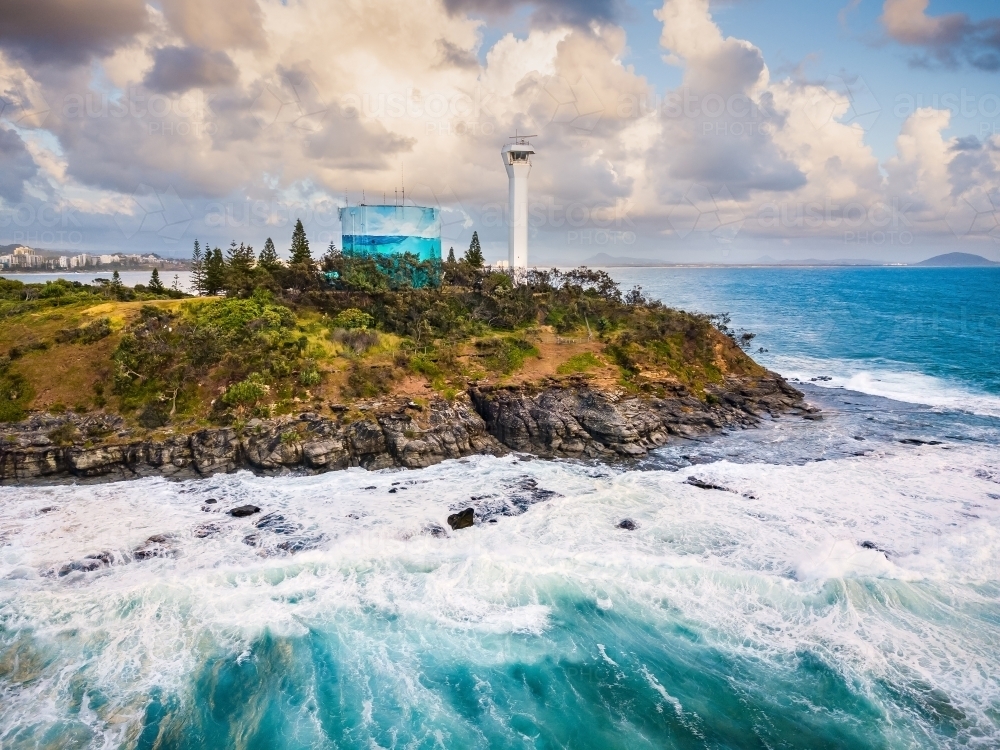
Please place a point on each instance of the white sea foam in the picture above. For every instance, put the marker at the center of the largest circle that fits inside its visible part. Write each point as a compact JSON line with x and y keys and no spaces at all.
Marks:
{"x":899,"y":385}
{"x":776,"y":565}
{"x":844,"y":558}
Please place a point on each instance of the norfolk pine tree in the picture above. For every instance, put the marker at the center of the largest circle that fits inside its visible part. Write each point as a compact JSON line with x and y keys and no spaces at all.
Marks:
{"x":268,"y":258}
{"x":215,"y":271}
{"x":155,"y":285}
{"x":300,"y":246}
{"x":474,"y":255}
{"x":197,"y":269}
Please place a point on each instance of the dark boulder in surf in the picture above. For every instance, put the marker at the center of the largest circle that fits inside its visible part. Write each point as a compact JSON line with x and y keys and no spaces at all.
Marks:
{"x":158,"y":545}
{"x":874,"y":547}
{"x":88,"y":564}
{"x":244,"y":510}
{"x":463,"y":519}
{"x":703,"y":485}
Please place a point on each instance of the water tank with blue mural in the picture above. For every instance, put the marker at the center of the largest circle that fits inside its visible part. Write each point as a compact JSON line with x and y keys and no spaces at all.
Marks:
{"x":391,"y":230}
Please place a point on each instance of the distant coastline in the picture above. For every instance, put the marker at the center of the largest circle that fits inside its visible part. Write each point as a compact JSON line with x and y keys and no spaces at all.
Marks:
{"x":18,"y":259}
{"x":946,"y":260}
{"x":90,"y":271}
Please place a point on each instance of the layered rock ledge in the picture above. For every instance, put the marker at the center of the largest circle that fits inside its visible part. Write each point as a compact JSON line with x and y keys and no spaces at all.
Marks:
{"x":580,"y":422}
{"x":565,"y":419}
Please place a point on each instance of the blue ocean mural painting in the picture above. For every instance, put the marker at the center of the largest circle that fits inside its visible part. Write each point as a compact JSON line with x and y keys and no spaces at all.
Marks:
{"x":391,"y":230}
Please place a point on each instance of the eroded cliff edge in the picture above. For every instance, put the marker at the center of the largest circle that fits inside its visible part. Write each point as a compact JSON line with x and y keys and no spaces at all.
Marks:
{"x":567,"y":419}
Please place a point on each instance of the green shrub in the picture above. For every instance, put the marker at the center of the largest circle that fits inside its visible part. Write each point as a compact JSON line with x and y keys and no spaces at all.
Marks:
{"x":88,"y":334}
{"x":15,"y":395}
{"x":52,"y":289}
{"x":16,"y":352}
{"x":352,"y":318}
{"x":246,"y":393}
{"x":357,"y":340}
{"x":497,"y":283}
{"x":368,"y":381}
{"x":620,"y":356}
{"x":423,"y":365}
{"x":64,"y":434}
{"x":242,"y":317}
{"x":579,"y":363}
{"x":154,"y":415}
{"x":505,"y":354}
{"x":17,"y":297}
{"x":249,"y":342}
{"x":310,"y":375}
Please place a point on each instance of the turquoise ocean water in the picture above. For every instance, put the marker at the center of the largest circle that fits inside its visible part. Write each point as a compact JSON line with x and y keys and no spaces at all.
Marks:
{"x":842,"y":590}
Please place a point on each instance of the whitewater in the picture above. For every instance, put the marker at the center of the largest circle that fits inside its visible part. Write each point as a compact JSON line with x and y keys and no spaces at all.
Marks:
{"x":804,"y":584}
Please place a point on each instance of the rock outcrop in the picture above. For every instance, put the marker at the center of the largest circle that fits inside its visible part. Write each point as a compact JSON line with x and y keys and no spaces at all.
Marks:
{"x":381,"y":438}
{"x":581,"y":422}
{"x":569,"y":419}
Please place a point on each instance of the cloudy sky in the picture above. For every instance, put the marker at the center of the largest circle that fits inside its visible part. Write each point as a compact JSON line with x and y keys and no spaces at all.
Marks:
{"x":684,"y":130}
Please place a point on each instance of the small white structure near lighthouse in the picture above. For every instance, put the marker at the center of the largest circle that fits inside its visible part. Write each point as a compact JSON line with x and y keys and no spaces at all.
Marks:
{"x":517,"y":161}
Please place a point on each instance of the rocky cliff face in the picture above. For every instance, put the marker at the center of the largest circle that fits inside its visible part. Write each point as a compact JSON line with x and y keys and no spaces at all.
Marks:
{"x":386,"y":437}
{"x":566,"y":419}
{"x":580,"y":422}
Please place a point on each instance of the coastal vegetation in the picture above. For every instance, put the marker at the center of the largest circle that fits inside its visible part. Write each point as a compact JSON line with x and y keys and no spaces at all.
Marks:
{"x":263,"y":338}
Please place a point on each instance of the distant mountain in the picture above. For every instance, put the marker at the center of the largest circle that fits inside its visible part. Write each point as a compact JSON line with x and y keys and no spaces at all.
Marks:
{"x":603,"y":259}
{"x":957,"y":260}
{"x":952,"y":260}
{"x":767,"y":260}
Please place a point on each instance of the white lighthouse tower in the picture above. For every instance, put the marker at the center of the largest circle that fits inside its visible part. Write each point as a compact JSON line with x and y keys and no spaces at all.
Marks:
{"x":517,"y":161}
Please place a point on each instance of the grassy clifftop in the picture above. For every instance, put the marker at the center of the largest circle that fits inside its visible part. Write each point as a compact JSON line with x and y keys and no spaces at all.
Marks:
{"x":360,"y":333}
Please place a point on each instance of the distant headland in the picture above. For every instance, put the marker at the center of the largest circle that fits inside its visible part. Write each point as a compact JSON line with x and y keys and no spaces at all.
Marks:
{"x":947,"y":260}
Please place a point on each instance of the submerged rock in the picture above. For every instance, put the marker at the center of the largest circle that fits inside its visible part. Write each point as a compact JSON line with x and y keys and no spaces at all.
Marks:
{"x":703,"y":485}
{"x":158,"y":545}
{"x":628,"y":524}
{"x":244,"y":510}
{"x":88,"y":564}
{"x":277,"y":523}
{"x":511,"y":499}
{"x":434,"y":529}
{"x":872,"y":546}
{"x":301,"y":543}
